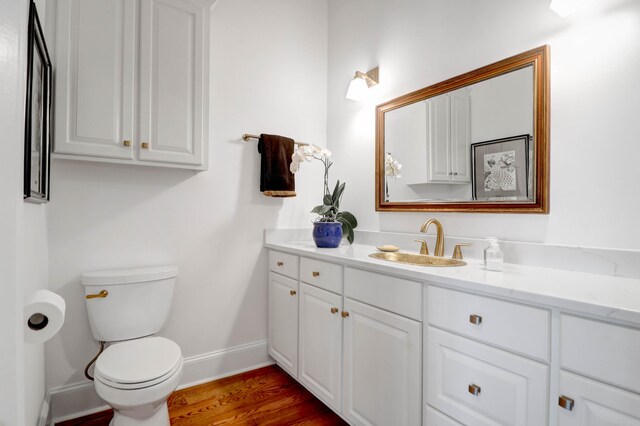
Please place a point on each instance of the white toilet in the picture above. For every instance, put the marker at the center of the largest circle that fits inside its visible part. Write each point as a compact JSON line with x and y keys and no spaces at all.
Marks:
{"x":137,"y":372}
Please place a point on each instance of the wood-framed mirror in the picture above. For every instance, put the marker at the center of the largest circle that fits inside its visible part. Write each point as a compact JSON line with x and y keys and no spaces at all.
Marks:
{"x":478,"y":142}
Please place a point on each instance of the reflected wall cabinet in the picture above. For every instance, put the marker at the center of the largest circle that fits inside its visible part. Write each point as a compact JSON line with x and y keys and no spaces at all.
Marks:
{"x":132,"y":81}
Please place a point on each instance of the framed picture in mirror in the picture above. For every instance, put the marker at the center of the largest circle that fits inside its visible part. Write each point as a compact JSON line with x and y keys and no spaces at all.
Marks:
{"x":37,"y":143}
{"x":500,"y":169}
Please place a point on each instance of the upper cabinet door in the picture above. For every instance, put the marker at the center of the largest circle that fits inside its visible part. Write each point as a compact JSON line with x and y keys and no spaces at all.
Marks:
{"x":461,"y":136}
{"x":174,"y":62}
{"x":439,"y":134}
{"x":95,"y":78}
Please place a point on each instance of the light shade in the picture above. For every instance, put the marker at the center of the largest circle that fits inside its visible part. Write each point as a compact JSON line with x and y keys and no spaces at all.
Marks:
{"x":565,"y":8}
{"x":357,"y":89}
{"x":359,"y":86}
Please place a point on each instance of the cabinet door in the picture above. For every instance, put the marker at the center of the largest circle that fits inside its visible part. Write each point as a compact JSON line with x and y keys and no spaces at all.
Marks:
{"x":320,"y":367}
{"x":595,"y":403}
{"x":382,"y":367}
{"x":460,"y":136}
{"x":438,"y":135}
{"x":95,"y":78}
{"x":174,"y":63}
{"x":283,"y":322}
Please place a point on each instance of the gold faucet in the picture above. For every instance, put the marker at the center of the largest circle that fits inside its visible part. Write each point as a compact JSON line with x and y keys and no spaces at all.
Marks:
{"x":439,"y":250}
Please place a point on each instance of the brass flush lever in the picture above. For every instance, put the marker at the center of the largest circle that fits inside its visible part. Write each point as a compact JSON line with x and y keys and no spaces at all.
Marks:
{"x":102,"y":294}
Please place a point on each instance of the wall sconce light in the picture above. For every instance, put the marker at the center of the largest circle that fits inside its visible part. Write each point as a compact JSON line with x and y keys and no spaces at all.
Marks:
{"x":565,"y":8}
{"x":361,"y":83}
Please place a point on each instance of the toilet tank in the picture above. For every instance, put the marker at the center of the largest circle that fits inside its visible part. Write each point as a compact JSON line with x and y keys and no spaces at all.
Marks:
{"x":137,"y":301}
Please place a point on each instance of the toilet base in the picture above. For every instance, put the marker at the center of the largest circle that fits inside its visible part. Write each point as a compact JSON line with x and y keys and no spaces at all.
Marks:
{"x":142,"y":417}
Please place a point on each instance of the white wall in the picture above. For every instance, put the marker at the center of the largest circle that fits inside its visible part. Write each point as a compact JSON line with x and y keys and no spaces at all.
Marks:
{"x":269,"y":72}
{"x":595,"y":104}
{"x":23,"y":243}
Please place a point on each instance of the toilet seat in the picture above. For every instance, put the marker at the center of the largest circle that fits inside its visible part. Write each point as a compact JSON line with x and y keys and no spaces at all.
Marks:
{"x":140,"y":363}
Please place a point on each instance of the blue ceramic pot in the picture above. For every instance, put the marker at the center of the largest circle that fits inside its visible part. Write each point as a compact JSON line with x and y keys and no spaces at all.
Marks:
{"x":327,"y":234}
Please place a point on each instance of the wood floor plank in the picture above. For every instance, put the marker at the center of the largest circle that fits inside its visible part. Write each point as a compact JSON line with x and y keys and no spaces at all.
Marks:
{"x":266,"y":396}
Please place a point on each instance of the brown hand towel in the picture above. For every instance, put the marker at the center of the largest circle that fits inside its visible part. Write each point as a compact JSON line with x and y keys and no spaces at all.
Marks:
{"x":276,"y":180}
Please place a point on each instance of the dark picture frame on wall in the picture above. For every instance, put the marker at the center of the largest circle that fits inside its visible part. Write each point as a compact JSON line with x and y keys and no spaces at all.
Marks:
{"x":37,"y":134}
{"x":500,"y":169}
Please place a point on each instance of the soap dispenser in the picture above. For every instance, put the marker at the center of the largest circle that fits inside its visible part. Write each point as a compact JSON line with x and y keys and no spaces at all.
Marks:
{"x":493,"y":258}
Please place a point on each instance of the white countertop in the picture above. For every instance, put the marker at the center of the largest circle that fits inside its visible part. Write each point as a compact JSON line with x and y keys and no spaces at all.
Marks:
{"x":610,"y":297}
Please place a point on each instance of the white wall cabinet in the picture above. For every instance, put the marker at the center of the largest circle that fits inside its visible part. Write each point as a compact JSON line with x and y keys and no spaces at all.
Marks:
{"x":283,"y":322}
{"x":382,"y":367}
{"x":449,"y":138}
{"x":132,"y":81}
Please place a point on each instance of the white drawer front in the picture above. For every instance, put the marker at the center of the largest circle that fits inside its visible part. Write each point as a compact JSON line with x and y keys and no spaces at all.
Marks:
{"x":511,"y":390}
{"x":321,"y":274}
{"x":511,"y":326}
{"x":595,"y":403}
{"x":394,"y":294}
{"x":283,"y":263}
{"x":603,"y":351}
{"x":436,"y":418}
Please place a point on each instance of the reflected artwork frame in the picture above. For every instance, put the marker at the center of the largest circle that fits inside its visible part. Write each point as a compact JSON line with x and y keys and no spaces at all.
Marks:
{"x":37,"y":133}
{"x":500,"y":169}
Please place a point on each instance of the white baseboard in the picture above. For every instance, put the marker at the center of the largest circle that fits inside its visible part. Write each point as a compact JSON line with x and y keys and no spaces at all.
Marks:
{"x":80,"y":399}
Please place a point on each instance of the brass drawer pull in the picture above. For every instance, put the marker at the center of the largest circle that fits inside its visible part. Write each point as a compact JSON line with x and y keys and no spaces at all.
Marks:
{"x":126,"y":143}
{"x":334,"y":310}
{"x":292,"y":292}
{"x":475,"y":319}
{"x":345,"y":314}
{"x":144,"y":145}
{"x":566,"y":402}
{"x":102,"y":294}
{"x":474,"y":389}
{"x":280,"y":263}
{"x":315,"y":274}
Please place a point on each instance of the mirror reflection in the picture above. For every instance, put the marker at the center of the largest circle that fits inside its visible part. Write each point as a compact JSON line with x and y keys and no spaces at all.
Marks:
{"x":477,"y":142}
{"x":470,"y":144}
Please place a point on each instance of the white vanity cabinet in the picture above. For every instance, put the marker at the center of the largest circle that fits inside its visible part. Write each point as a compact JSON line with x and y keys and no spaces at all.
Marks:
{"x":469,"y":375}
{"x":132,"y":80}
{"x":600,"y":376}
{"x":359,"y":347}
{"x":283,"y":310}
{"x":382,"y":349}
{"x":449,"y":138}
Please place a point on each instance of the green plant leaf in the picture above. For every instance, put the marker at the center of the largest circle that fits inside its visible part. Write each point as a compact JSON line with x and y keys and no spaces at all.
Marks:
{"x":324,"y":210}
{"x":349,"y":217}
{"x":316,"y":209}
{"x":327,"y":200}
{"x":347,"y":229}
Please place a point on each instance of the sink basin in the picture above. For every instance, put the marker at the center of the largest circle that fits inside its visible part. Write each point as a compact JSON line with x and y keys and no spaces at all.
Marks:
{"x":417,"y":259}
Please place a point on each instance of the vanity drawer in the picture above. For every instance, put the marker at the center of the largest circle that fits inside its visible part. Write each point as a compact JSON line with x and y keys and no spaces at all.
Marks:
{"x":518,"y":328}
{"x":321,"y":274}
{"x":606,"y":352}
{"x":284,"y":263}
{"x":394,"y":294}
{"x":477,"y":384}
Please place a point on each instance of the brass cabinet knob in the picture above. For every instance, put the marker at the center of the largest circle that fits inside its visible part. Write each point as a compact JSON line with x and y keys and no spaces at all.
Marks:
{"x":315,"y":274}
{"x":102,"y":294}
{"x":345,"y":314}
{"x":280,"y":263}
{"x":457,"y":251}
{"x":292,"y":292}
{"x":474,"y":389}
{"x":566,"y":402}
{"x":126,"y":142}
{"x":144,"y":145}
{"x":334,"y":310}
{"x":475,"y":319}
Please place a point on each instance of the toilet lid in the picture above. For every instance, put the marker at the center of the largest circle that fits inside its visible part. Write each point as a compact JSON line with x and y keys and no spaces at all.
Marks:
{"x":138,"y":361}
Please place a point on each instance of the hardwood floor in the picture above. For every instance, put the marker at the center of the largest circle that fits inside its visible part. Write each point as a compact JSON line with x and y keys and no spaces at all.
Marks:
{"x":267,"y":396}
